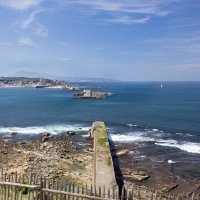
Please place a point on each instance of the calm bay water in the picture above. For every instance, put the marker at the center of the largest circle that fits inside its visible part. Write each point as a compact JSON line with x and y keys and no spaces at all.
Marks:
{"x":168,"y":118}
{"x":176,"y":107}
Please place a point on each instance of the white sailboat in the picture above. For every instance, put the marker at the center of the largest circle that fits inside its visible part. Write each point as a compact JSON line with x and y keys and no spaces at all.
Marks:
{"x":161,"y":86}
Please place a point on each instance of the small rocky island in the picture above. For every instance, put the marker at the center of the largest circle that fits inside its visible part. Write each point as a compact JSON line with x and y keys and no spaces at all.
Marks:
{"x":89,"y":94}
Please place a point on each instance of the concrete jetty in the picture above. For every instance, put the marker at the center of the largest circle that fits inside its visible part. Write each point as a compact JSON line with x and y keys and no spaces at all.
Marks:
{"x":104,"y":174}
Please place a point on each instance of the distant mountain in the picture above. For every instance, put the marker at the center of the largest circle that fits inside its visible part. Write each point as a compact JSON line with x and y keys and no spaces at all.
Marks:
{"x":36,"y":75}
{"x":51,"y":76}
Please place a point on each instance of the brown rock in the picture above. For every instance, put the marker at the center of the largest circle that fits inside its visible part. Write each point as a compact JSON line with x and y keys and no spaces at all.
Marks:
{"x":195,"y":185}
{"x":135,"y":174}
{"x":121,"y":152}
{"x":168,"y":187}
{"x":45,"y":137}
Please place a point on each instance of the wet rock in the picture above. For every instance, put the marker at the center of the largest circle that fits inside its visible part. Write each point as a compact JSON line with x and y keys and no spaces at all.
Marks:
{"x":168,"y":187}
{"x":195,"y":185}
{"x":139,"y":192}
{"x":22,"y":143}
{"x":121,"y":152}
{"x":135,"y":174}
{"x":71,"y":132}
{"x":14,"y":133}
{"x":45,"y":137}
{"x":90,"y":150}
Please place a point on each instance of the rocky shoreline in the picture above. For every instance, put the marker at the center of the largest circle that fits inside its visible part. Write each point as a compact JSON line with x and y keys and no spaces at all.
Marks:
{"x":61,"y":157}
{"x":48,"y":156}
{"x":145,"y":173}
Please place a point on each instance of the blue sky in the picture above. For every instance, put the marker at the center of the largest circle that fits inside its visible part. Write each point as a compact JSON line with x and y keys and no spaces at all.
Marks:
{"x":121,"y":39}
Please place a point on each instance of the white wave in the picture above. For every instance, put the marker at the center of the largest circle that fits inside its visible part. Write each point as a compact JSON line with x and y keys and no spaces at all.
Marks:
{"x":142,"y":157}
{"x":155,"y":129}
{"x":171,"y":161}
{"x":53,"y":129}
{"x":184,"y":146}
{"x":83,"y":144}
{"x":85,"y":136}
{"x":179,"y":133}
{"x":131,"y":125}
{"x":144,"y":137}
{"x":130,"y":137}
{"x":189,"y":135}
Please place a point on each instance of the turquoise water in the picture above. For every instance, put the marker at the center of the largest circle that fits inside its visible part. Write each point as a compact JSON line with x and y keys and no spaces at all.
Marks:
{"x":174,"y":108}
{"x":167,"y":118}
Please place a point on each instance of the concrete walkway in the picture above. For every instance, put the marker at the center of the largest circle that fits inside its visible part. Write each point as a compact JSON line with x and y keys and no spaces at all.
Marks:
{"x":104,"y":174}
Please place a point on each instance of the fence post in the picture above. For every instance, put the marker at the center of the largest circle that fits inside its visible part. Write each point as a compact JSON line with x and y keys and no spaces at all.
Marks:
{"x":41,"y":188}
{"x":193,"y":196}
{"x":122,"y":193}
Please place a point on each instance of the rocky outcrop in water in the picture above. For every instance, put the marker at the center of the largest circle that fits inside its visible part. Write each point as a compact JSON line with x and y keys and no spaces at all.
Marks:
{"x":89,"y":94}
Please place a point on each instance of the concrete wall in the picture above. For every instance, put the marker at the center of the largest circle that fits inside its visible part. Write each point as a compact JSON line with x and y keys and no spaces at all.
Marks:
{"x":104,"y":174}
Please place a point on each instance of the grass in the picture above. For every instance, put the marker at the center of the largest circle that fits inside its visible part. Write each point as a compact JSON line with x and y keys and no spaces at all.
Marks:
{"x":103,"y":137}
{"x":109,"y":162}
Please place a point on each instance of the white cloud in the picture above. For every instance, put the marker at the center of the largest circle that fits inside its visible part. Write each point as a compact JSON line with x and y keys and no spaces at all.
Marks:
{"x":37,"y":28}
{"x":127,"y":11}
{"x":128,"y":20}
{"x":41,"y":30}
{"x":19,"y":4}
{"x":30,"y":18}
{"x":26,"y":42}
{"x":154,"y":7}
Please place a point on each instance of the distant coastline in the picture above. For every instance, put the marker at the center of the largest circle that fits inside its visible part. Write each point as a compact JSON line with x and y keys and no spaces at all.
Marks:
{"x":63,"y":77}
{"x":24,"y":82}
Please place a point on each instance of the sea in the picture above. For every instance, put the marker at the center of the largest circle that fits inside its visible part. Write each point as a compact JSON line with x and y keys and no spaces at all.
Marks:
{"x":162,"y":118}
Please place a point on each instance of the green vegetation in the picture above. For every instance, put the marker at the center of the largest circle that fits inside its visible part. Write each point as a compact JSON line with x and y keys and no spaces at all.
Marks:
{"x":103,"y":137}
{"x":26,"y":182}
{"x":23,"y":190}
{"x":109,"y":162}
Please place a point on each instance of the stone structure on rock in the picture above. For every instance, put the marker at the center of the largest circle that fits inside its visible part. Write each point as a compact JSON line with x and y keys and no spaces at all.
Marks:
{"x":89,"y":94}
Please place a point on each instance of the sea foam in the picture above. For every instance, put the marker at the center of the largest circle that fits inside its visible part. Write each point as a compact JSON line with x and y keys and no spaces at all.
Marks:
{"x":171,"y":161}
{"x":130,"y":137}
{"x":189,"y":147}
{"x":53,"y":129}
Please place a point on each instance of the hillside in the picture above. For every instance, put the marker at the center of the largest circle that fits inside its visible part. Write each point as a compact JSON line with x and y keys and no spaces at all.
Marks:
{"x":28,"y":82}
